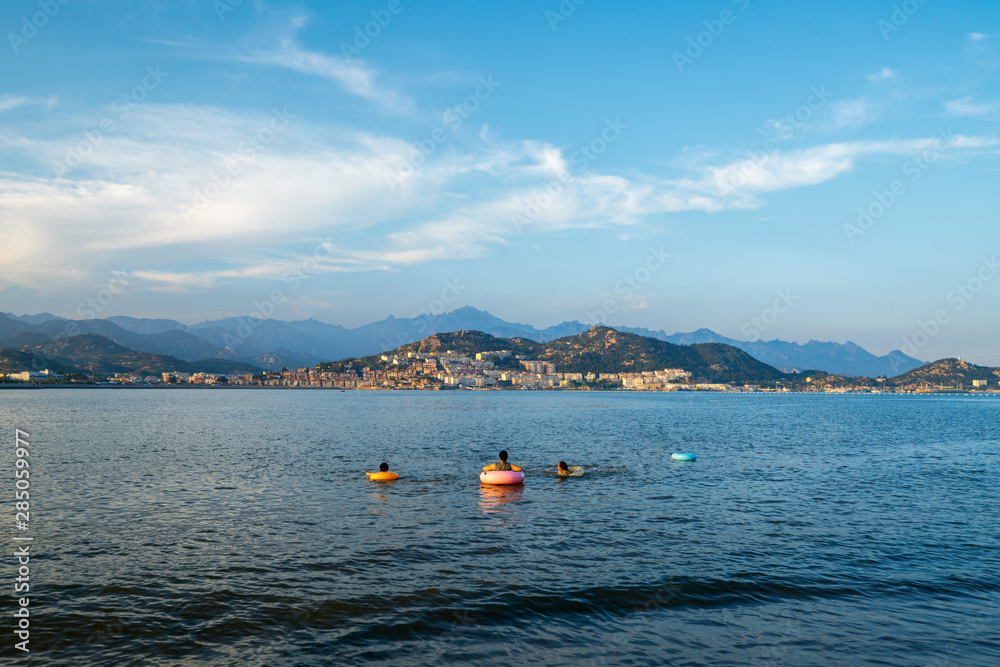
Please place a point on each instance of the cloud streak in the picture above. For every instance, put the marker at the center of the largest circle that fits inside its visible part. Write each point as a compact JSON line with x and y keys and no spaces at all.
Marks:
{"x":122,"y":208}
{"x":354,"y":76}
{"x":9,"y":102}
{"x":882,"y":75}
{"x":968,"y":108}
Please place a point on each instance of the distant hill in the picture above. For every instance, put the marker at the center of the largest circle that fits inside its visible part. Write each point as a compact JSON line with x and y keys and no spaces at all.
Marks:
{"x":12,"y":361}
{"x":948,"y":372}
{"x":146,"y":326}
{"x":14,"y":333}
{"x":275,"y":343}
{"x":839,"y":358}
{"x":38,"y":318}
{"x":605,"y":350}
{"x":88,"y":353}
{"x":10,"y":326}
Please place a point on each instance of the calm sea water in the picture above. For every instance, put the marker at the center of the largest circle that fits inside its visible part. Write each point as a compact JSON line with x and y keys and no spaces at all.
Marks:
{"x":236,"y":527}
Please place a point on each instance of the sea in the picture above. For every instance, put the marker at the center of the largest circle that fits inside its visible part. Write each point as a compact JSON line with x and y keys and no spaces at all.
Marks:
{"x":200,"y":526}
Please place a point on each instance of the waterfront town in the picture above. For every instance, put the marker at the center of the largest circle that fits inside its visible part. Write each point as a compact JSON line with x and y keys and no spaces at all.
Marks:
{"x":495,"y":370}
{"x":448,"y":370}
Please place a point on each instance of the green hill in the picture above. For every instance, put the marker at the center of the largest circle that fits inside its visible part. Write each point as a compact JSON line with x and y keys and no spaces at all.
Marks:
{"x":16,"y":360}
{"x":605,"y":350}
{"x":89,"y":353}
{"x":948,"y":372}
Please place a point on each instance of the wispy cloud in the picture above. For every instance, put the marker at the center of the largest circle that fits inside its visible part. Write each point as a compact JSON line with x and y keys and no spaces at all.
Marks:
{"x":355,"y":76}
{"x":882,"y":75}
{"x":815,"y":165}
{"x":849,"y":113}
{"x":8,"y":102}
{"x":966,"y":107}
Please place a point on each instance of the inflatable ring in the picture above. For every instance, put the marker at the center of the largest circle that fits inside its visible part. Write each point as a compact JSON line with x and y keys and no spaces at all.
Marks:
{"x":501,"y":477}
{"x":679,"y":456}
{"x":382,"y":476}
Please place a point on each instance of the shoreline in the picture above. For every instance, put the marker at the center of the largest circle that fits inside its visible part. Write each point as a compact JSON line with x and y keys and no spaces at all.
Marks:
{"x":38,"y":386}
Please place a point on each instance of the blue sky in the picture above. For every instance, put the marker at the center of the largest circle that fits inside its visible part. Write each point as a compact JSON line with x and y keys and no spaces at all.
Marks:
{"x":767,"y":170}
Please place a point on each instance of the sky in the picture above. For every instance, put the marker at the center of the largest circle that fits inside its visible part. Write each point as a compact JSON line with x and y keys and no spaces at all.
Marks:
{"x":766,"y":170}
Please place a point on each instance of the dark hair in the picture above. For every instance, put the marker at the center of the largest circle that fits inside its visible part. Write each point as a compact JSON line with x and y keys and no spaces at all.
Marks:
{"x":563,"y":466}
{"x":503,"y":454}
{"x":383,"y":467}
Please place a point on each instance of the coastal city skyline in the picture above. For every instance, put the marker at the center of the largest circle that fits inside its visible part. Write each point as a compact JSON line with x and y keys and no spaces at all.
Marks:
{"x":662,"y":167}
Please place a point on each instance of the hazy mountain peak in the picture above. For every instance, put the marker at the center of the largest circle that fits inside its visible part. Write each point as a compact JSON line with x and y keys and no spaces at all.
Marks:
{"x":39,"y":318}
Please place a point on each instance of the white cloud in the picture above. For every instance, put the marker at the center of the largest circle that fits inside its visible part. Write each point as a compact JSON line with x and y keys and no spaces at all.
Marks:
{"x":849,"y":113}
{"x":353,"y":75}
{"x":356,"y":77}
{"x":976,"y":36}
{"x":122,"y":208}
{"x":882,"y":75}
{"x":8,"y":102}
{"x":966,"y":107}
{"x":743,"y":179}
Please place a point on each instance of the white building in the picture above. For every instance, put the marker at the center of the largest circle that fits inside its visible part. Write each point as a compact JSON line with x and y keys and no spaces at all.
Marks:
{"x":27,"y":376}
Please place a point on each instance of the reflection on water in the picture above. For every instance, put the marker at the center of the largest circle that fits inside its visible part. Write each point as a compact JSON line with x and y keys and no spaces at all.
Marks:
{"x":378,"y":500}
{"x":494,"y":497}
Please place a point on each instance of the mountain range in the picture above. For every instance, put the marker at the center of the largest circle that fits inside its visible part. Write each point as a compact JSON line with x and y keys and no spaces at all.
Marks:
{"x":273,"y":344}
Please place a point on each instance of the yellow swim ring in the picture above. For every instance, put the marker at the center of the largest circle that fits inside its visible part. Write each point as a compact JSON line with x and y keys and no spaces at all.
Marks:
{"x":381,"y":476}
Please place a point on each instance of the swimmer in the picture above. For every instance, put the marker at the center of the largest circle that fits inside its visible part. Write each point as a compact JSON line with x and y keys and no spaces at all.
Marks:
{"x":502,"y":464}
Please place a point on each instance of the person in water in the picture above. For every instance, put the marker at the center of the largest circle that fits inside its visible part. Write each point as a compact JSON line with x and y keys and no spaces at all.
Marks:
{"x":383,"y":470}
{"x":563,"y":469}
{"x":502,"y":465}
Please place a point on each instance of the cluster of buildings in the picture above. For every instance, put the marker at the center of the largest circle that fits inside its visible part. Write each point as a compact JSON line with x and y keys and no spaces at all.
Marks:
{"x":499,"y":369}
{"x":450,"y":370}
{"x":32,"y":376}
{"x":170,"y":378}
